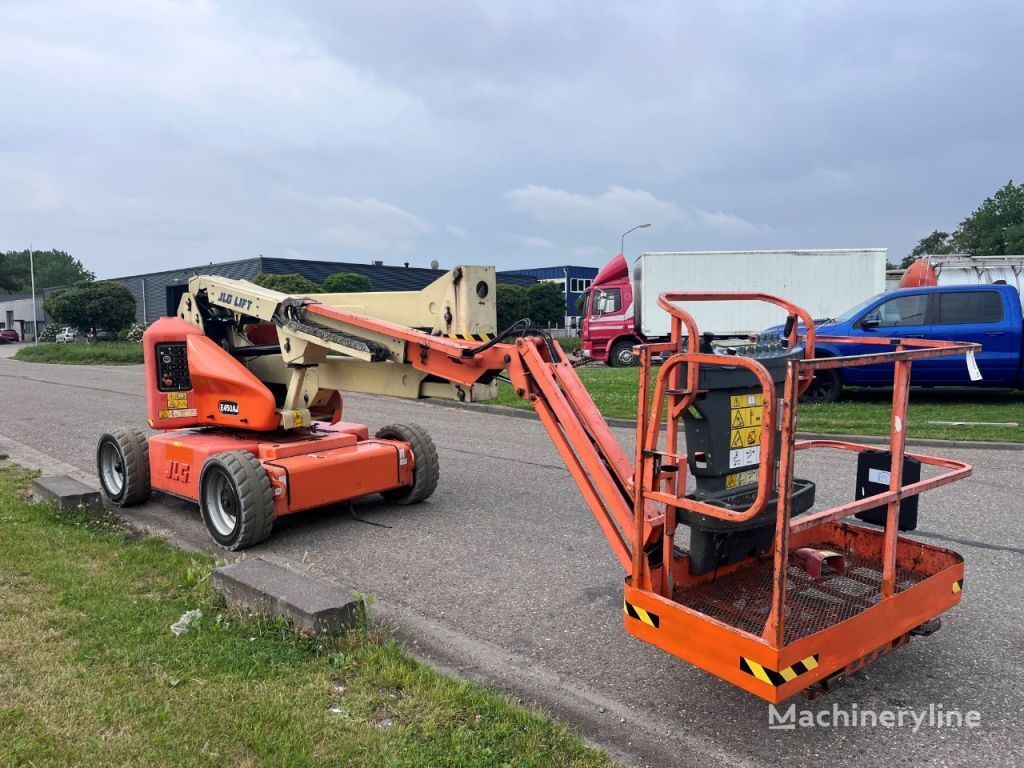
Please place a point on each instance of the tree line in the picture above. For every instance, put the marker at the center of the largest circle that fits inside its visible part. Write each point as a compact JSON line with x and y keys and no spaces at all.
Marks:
{"x":996,"y":228}
{"x":51,"y":267}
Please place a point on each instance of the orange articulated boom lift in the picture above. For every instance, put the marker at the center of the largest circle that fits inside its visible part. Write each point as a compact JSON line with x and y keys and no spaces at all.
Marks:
{"x":774,"y":597}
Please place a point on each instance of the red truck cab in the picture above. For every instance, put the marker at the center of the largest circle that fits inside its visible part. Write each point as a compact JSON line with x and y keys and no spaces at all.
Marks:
{"x":608,"y":328}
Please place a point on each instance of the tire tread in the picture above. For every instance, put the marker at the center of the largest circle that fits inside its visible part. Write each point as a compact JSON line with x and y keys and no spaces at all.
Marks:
{"x":255,"y":498}
{"x":427,"y":470}
{"x":134,"y":448}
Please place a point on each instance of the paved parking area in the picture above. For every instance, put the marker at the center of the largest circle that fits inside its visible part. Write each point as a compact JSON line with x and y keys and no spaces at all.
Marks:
{"x":504,"y":576}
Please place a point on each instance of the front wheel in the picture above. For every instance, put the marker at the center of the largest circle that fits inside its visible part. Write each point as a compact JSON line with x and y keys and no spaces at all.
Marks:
{"x":825,"y":387}
{"x":235,"y":499}
{"x":122,"y":462}
{"x":427,"y":469}
{"x":622,"y":354}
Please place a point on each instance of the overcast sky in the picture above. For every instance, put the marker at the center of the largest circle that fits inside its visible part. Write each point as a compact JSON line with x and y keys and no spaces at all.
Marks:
{"x":146,"y":135}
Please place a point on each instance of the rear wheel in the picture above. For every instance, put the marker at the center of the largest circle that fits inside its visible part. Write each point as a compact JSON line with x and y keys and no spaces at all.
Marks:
{"x":825,"y":388}
{"x":235,"y":499}
{"x":622,"y":354}
{"x":122,"y":462}
{"x":427,"y":469}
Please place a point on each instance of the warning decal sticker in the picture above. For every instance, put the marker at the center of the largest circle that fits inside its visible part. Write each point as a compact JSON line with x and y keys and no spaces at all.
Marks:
{"x":745,"y":429}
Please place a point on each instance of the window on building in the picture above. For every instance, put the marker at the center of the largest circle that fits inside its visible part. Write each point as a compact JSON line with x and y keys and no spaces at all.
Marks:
{"x":970,"y":307}
{"x":579,"y":284}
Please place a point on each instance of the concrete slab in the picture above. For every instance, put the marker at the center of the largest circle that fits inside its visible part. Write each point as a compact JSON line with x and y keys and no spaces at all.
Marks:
{"x":66,"y":492}
{"x":311,"y":604}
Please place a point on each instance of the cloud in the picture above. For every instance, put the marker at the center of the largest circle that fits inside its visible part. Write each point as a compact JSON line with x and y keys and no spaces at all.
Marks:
{"x":457,"y":232}
{"x":366,"y":223}
{"x":193,"y":71}
{"x":617,"y":209}
{"x":191,"y":126}
{"x":537,"y":243}
{"x":592,"y":252}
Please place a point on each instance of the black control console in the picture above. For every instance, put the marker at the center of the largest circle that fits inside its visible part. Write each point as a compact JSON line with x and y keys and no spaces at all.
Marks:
{"x":172,"y":367}
{"x":723,"y":441}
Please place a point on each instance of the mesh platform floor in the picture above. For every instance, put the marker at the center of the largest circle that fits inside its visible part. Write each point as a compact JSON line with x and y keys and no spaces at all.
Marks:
{"x":742,"y":599}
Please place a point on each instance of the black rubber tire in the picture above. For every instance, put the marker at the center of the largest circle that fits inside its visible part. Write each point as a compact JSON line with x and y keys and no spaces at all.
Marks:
{"x":247,"y":484}
{"x":826,"y":387}
{"x":428,"y":468}
{"x":621,"y":354}
{"x":132,"y":450}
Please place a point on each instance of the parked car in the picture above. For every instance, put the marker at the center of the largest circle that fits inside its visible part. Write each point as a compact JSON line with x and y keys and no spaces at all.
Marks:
{"x":987,"y":314}
{"x":66,"y":335}
{"x":9,"y":336}
{"x":100,"y":335}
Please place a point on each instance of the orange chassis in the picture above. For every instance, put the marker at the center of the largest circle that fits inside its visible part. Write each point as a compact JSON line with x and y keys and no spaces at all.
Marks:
{"x":334,"y":463}
{"x":760,"y":624}
{"x":329,"y":462}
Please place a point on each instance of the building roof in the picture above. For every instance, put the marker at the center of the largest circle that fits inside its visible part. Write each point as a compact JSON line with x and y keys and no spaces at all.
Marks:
{"x":382,"y":277}
{"x":553,"y":266}
{"x":16,"y":296}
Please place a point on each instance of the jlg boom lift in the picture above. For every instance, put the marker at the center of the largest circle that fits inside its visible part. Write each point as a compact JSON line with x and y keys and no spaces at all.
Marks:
{"x":244,"y":386}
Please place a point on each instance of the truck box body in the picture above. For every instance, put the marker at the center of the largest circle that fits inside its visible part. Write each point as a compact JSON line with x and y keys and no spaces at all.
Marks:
{"x":824,"y":282}
{"x":960,"y":269}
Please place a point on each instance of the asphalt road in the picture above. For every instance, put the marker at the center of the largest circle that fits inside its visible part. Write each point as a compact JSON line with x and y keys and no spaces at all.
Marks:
{"x":504,"y":576}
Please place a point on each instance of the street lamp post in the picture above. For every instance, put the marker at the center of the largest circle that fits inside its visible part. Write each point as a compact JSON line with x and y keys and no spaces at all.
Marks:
{"x":622,"y":241}
{"x":35,"y":319}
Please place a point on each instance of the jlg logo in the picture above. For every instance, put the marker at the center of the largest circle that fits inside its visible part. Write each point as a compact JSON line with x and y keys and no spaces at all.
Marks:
{"x":179,"y":471}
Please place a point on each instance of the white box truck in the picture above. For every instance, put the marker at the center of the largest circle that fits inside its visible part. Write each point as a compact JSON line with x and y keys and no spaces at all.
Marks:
{"x":621,"y":307}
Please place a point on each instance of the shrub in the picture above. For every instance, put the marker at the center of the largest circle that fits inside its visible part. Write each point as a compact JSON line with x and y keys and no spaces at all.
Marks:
{"x":513,"y":304}
{"x":49,"y":333}
{"x":292,"y":283}
{"x":347,"y":282}
{"x":547,"y":304}
{"x":135,"y":332}
{"x":89,"y":306}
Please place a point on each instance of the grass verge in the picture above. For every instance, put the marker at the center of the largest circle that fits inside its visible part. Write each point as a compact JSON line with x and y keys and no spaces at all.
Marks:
{"x":91,"y":674}
{"x":861,"y":412}
{"x":81,"y":353}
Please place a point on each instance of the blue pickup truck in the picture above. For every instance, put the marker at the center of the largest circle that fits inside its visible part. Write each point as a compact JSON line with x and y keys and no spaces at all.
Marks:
{"x":988,"y":314}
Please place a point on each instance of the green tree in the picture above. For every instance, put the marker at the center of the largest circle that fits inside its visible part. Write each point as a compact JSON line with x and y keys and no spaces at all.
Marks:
{"x":936,"y":242}
{"x":292,"y":283}
{"x":51,"y":267}
{"x":89,"y":306}
{"x":347,"y":282}
{"x":55,"y":306}
{"x":996,"y":227}
{"x":513,"y":304}
{"x":547,"y":304}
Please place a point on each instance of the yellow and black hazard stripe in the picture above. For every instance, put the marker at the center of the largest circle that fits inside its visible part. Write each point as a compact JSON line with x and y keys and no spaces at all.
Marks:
{"x":470,"y":336}
{"x":640,"y":614}
{"x":782,"y":676}
{"x":958,"y":586}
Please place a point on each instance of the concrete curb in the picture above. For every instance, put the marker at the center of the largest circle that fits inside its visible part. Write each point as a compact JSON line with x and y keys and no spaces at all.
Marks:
{"x":924,"y":442}
{"x":313,"y":605}
{"x":66,"y":492}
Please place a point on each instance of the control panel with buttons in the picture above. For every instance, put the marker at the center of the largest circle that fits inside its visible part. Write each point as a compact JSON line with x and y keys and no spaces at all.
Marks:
{"x":172,"y":368}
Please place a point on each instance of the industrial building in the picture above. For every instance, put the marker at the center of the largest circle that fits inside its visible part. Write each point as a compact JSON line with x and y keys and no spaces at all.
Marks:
{"x":571,"y":279}
{"x":16,"y":313}
{"x":157,"y":293}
